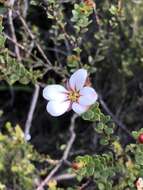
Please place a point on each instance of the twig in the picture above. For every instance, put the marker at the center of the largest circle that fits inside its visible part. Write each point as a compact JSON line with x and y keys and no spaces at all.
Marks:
{"x":25,"y":9}
{"x":72,"y":138}
{"x":64,"y":177}
{"x":28,"y":53}
{"x":10,"y":17}
{"x":65,"y":154}
{"x":58,"y":51}
{"x":31,"y":112}
{"x":84,"y":185}
{"x":115,"y":119}
{"x":56,"y":69}
{"x":95,"y":13}
{"x":15,"y":42}
{"x":33,"y":38}
{"x":30,"y":48}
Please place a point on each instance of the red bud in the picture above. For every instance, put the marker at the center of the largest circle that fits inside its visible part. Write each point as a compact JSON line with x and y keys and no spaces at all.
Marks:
{"x":140,"y":138}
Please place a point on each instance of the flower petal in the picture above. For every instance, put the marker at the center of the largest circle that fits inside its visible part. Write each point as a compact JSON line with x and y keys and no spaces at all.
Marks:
{"x":55,"y":108}
{"x":79,"y":109}
{"x":78,"y":79}
{"x":55,"y":92}
{"x":88,"y":96}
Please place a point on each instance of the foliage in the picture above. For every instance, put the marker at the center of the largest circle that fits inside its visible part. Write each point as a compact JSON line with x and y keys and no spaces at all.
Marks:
{"x":81,"y":15}
{"x":55,"y":38}
{"x":118,"y":168}
{"x":17,"y":170}
{"x":11,"y":70}
{"x":104,"y":126}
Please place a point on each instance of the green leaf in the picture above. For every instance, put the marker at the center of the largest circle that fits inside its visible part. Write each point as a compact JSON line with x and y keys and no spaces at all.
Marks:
{"x":101,"y":186}
{"x":89,"y":115}
{"x":99,"y":127}
{"x":135,"y":134}
{"x":104,"y":141}
{"x":109,"y":130}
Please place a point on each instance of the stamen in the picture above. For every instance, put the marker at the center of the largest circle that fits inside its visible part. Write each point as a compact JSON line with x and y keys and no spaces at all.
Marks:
{"x":73,"y":96}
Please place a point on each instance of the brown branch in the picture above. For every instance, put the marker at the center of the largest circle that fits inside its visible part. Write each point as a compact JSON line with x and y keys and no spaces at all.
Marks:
{"x":31,"y":112}
{"x":56,"y":69}
{"x":14,"y":42}
{"x":34,"y":39}
{"x":72,"y":137}
{"x":13,"y":35}
{"x":65,"y":154}
{"x":83,"y":186}
{"x":64,"y":177}
{"x":28,"y":52}
{"x":25,"y":9}
{"x":115,"y":119}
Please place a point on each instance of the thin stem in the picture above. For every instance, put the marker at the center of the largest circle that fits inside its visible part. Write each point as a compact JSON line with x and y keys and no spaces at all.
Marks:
{"x":115,"y":119}
{"x":34,"y":39}
{"x":65,"y":154}
{"x":11,"y":24}
{"x":64,"y":177}
{"x":31,"y":112}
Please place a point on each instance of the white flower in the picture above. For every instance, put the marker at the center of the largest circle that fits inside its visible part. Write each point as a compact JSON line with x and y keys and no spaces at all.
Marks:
{"x":76,"y":96}
{"x":139,"y":183}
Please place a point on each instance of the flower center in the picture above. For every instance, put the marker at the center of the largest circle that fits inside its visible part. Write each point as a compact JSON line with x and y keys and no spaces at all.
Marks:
{"x":73,"y":96}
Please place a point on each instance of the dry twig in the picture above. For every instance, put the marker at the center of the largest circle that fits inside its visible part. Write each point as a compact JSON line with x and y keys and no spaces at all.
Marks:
{"x":65,"y":154}
{"x":115,"y":119}
{"x":31,"y":112}
{"x":14,"y":42}
{"x":64,"y":177}
{"x":33,"y":38}
{"x":13,"y":35}
{"x":25,"y":9}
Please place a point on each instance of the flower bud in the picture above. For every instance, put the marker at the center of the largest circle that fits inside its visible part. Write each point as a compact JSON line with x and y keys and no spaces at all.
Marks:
{"x":77,"y":165}
{"x":140,"y":138}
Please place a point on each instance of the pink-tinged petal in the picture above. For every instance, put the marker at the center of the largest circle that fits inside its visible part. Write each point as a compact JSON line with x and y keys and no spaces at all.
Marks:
{"x":78,"y":79}
{"x":88,"y":96}
{"x":79,"y":109}
{"x":55,"y":92}
{"x":55,"y":108}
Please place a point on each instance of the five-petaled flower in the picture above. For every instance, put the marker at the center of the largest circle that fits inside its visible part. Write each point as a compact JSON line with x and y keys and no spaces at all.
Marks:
{"x":139,"y":183}
{"x":77,"y":95}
